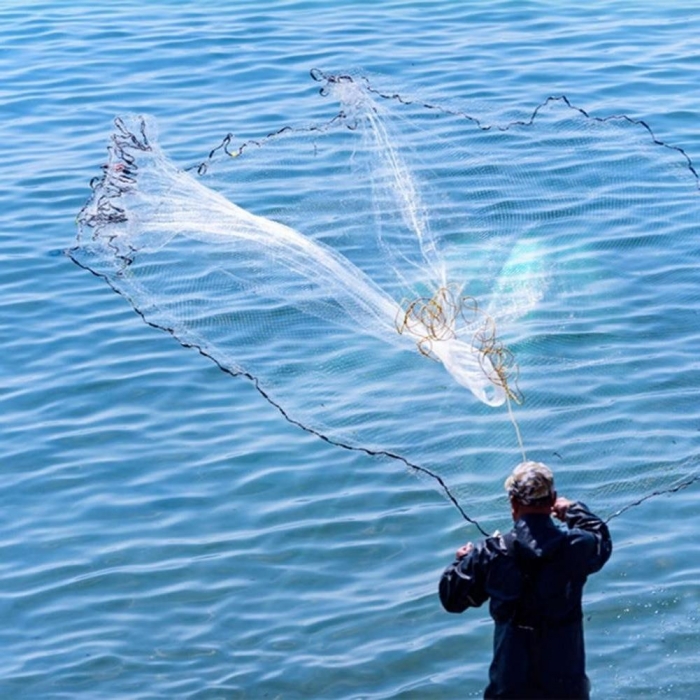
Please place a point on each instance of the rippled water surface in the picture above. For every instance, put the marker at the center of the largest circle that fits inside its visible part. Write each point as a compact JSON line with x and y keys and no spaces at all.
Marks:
{"x":165,"y":532}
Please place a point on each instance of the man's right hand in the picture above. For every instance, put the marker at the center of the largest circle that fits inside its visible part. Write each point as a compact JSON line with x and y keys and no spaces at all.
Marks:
{"x":561,"y":505}
{"x":464,"y":550}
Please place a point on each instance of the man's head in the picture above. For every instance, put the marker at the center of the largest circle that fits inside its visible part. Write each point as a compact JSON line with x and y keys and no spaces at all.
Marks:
{"x":531,"y":488}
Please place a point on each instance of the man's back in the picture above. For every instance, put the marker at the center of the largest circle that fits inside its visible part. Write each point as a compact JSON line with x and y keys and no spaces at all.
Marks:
{"x":533,"y":578}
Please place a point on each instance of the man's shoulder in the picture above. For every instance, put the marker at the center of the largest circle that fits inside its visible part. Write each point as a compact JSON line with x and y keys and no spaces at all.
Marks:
{"x":499,"y":544}
{"x":488,"y":550}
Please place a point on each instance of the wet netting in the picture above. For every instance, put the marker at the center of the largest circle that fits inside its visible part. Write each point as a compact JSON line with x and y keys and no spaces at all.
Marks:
{"x":447,"y":294}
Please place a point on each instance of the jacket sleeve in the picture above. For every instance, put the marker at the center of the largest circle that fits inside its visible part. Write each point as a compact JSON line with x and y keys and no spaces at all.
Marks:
{"x":595,"y":532}
{"x":462,"y":584}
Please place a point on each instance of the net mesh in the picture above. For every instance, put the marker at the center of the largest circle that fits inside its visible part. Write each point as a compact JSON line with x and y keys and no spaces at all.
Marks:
{"x":408,"y":281}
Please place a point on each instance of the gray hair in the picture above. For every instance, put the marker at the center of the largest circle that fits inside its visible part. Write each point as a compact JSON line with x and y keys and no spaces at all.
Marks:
{"x":531,"y":483}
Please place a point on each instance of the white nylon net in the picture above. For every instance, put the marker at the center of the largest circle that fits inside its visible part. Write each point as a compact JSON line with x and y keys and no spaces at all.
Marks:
{"x":408,"y":281}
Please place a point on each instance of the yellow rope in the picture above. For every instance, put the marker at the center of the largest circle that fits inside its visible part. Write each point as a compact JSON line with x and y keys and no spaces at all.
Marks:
{"x":448,"y":313}
{"x":511,"y":415}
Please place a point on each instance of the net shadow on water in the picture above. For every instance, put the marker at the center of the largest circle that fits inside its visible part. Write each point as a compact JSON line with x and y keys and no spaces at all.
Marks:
{"x":572,"y":233}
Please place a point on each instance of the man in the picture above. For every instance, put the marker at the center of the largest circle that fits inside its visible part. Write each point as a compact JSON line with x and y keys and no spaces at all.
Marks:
{"x":534,"y":577}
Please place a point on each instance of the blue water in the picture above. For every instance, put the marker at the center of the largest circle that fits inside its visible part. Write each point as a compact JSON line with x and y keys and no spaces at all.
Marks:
{"x":164,"y":532}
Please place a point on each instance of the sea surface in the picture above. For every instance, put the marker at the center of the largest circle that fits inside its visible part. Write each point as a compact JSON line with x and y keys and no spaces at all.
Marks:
{"x":166,"y":531}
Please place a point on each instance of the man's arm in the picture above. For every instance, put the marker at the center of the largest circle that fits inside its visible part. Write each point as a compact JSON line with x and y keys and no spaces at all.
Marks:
{"x":577,"y":517}
{"x":462,"y":582}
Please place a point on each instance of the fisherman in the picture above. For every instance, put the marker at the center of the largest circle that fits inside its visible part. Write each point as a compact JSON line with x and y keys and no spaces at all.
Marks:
{"x":534,"y":577}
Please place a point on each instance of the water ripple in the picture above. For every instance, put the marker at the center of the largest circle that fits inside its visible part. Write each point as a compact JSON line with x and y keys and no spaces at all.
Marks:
{"x":164,"y":532}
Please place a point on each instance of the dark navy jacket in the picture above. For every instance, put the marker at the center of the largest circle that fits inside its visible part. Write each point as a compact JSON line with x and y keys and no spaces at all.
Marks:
{"x":533,"y":577}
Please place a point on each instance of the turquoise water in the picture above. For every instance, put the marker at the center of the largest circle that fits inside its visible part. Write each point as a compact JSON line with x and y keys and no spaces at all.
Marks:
{"x":165,"y":532}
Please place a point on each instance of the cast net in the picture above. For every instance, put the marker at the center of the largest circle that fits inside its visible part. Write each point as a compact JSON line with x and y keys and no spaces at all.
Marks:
{"x":446,"y":294}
